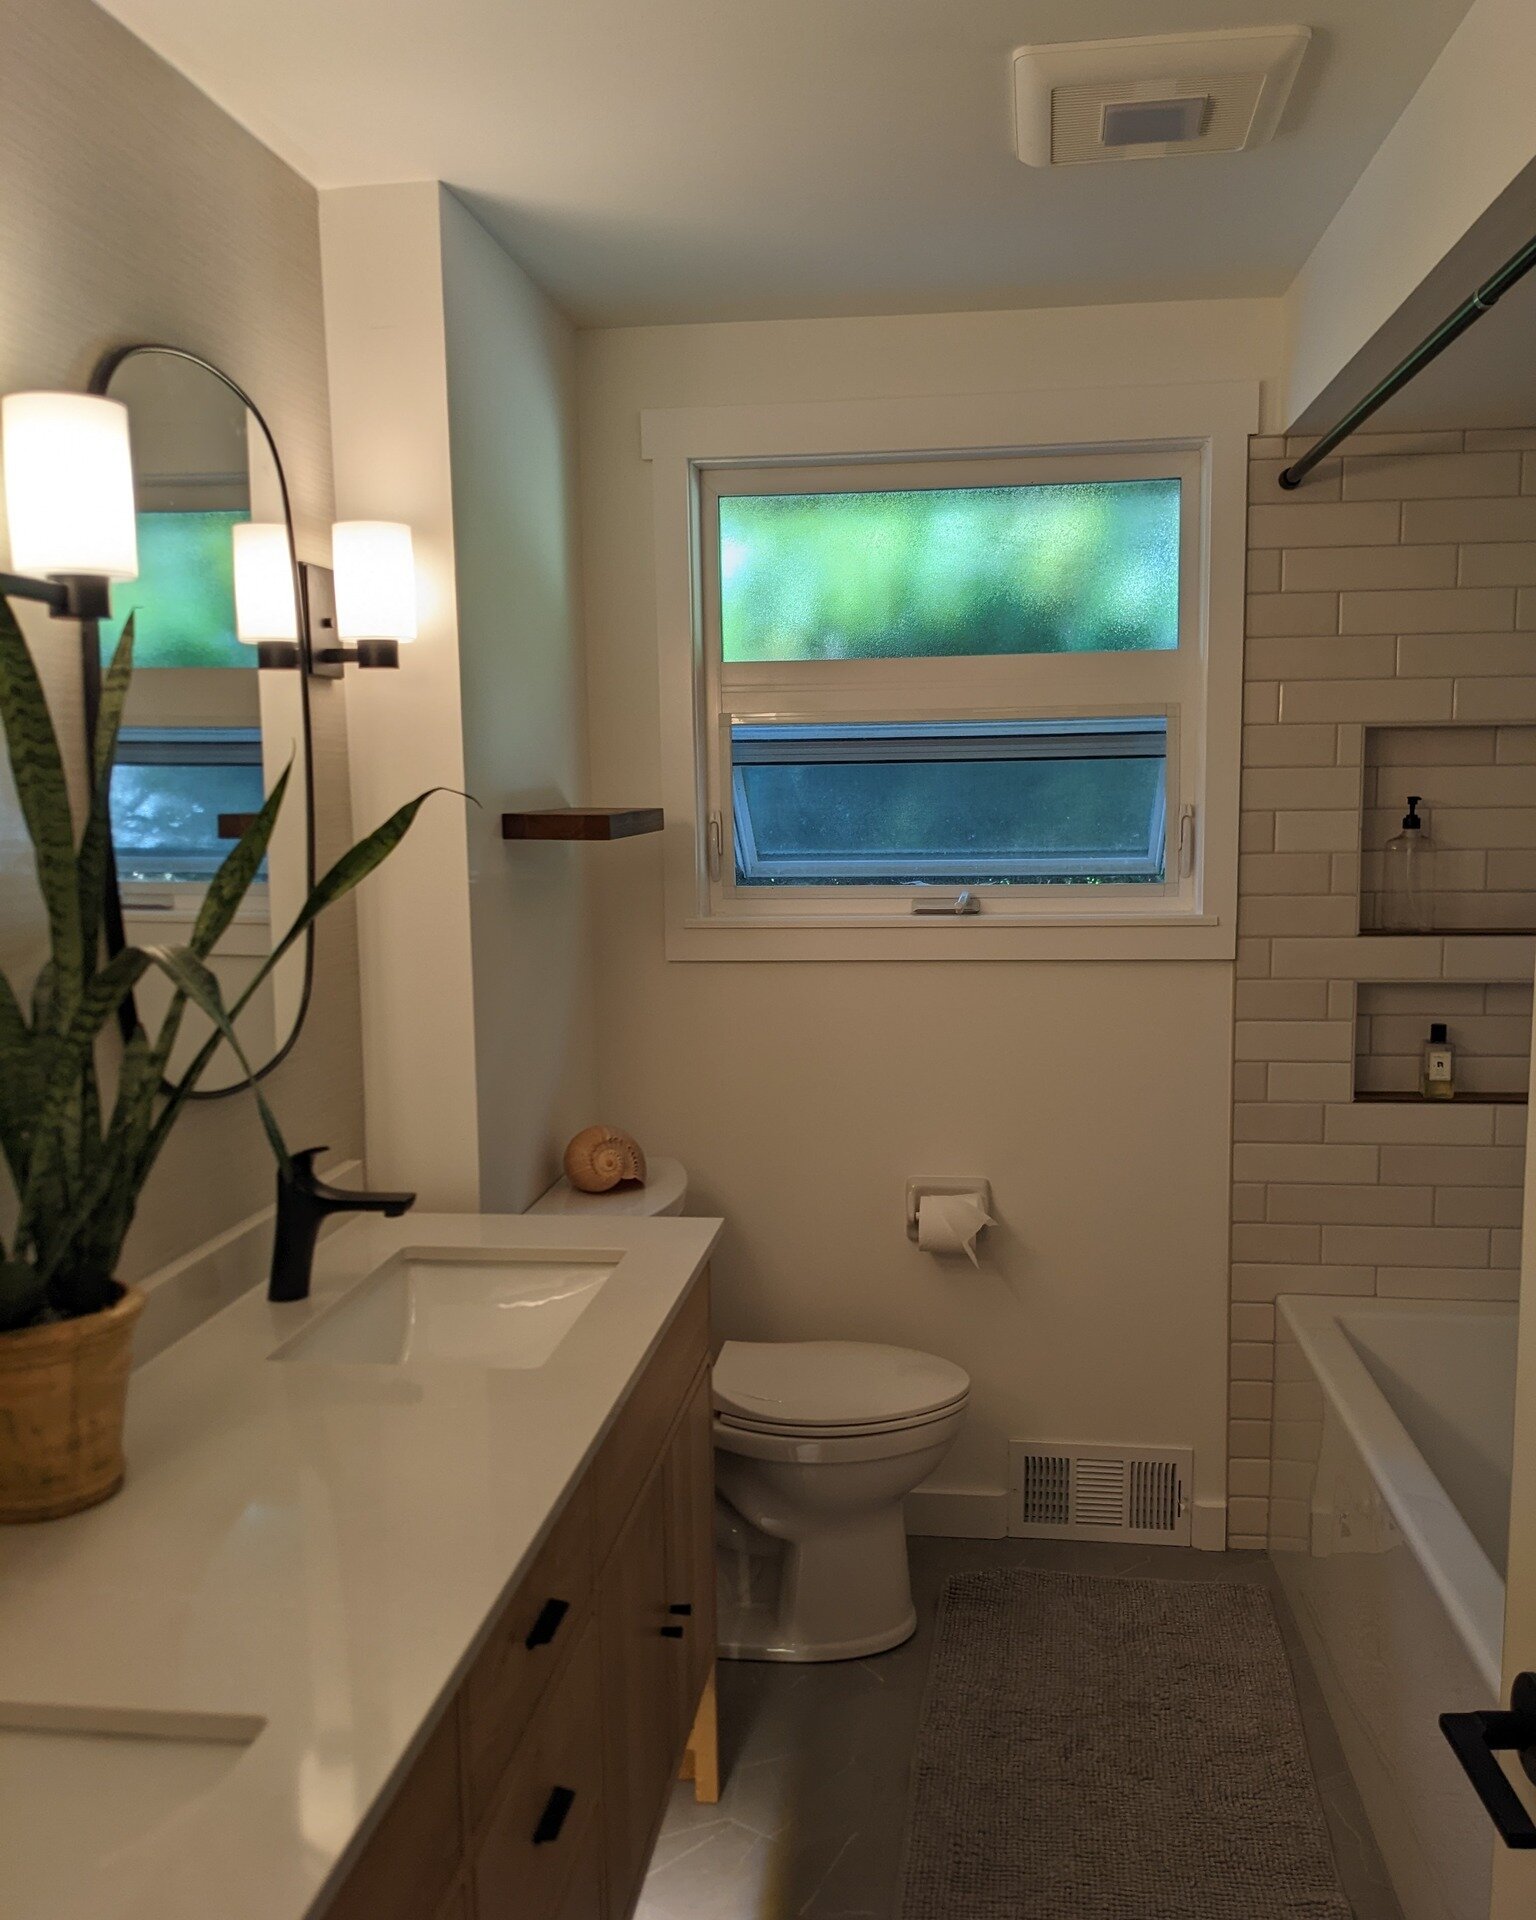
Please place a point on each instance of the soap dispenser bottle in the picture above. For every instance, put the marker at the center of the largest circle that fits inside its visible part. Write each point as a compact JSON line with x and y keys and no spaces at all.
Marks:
{"x":1438,"y":1080}
{"x":1407,"y":899}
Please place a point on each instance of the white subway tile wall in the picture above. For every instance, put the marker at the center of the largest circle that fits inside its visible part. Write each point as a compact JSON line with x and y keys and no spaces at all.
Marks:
{"x":1391,"y":649}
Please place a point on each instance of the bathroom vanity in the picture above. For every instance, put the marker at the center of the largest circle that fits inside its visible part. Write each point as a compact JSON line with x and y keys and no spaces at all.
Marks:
{"x":406,"y":1611}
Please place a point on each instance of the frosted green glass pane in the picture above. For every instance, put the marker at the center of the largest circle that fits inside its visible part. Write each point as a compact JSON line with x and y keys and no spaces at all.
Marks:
{"x":1090,"y":567}
{"x":184,"y":597}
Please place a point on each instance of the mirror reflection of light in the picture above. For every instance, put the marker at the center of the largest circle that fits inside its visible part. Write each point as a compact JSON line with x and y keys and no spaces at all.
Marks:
{"x":265,"y":607}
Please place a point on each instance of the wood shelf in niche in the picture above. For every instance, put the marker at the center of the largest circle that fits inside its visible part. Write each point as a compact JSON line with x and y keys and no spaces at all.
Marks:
{"x":581,"y":823}
{"x":1461,"y":1100}
{"x":1450,"y":933}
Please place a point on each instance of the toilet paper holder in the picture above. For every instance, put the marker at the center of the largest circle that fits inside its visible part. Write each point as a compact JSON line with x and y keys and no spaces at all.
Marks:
{"x":944,"y":1183}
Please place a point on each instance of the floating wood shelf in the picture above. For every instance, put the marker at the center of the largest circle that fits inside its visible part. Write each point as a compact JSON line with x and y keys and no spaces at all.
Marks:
{"x":581,"y":823}
{"x":1451,"y":933}
{"x":1461,"y":1100}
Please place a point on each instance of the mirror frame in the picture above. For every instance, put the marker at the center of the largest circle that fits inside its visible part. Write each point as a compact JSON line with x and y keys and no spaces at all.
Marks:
{"x":90,"y":664}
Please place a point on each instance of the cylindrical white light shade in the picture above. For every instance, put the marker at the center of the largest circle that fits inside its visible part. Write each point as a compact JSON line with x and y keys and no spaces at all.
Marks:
{"x":264,"y":594}
{"x":69,"y":485}
{"x":375,"y":568}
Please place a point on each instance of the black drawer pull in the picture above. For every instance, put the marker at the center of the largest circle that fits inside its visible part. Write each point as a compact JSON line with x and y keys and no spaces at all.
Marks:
{"x":671,"y":1633}
{"x":1476,"y":1737}
{"x":552,"y":1819}
{"x":681,"y":1606}
{"x":547,"y":1625}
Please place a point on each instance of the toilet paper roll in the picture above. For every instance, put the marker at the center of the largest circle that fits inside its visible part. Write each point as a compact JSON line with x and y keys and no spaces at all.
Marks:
{"x":950,"y":1222}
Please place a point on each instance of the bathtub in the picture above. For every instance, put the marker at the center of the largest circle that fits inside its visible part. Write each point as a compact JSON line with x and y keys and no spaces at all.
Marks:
{"x":1389,"y":1518}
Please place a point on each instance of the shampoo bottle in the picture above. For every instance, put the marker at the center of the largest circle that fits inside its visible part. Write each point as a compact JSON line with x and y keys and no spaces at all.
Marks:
{"x":1438,"y":1080}
{"x":1407,"y":900}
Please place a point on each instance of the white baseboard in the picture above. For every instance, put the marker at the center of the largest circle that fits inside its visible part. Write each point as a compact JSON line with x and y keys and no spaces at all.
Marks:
{"x":1208,"y":1526}
{"x":959,"y":1513}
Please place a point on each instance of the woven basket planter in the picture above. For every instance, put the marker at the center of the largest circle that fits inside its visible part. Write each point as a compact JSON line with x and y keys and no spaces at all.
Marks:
{"x":63,"y":1390}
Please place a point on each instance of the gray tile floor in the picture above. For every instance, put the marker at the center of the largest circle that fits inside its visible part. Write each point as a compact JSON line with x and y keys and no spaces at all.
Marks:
{"x":809,"y":1825}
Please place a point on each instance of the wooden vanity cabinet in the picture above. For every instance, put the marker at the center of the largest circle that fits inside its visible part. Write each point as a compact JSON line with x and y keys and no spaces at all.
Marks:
{"x":539,"y":1793}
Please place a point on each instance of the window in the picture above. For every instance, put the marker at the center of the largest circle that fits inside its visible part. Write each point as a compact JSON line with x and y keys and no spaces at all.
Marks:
{"x":1002,"y":803}
{"x":180,"y":797}
{"x":183,"y":600}
{"x":907,"y":573}
{"x":952,"y":706}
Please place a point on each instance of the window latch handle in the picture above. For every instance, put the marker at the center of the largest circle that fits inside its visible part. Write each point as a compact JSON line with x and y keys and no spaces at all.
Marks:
{"x":963,"y":902}
{"x":715,"y":844}
{"x":1187,"y":841}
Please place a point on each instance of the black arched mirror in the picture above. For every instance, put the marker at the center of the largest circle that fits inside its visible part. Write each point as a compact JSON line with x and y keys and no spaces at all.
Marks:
{"x":212,"y":720}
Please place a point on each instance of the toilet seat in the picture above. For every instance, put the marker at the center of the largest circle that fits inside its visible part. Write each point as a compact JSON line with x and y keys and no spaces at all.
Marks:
{"x":832,"y":1388}
{"x":845,"y":1430}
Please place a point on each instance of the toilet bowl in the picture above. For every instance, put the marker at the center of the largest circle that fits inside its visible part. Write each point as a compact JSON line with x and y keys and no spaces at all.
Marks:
{"x":817,"y":1444}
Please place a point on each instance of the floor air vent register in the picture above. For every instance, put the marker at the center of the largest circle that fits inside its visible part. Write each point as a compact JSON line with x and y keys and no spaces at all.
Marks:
{"x":1062,"y":1492}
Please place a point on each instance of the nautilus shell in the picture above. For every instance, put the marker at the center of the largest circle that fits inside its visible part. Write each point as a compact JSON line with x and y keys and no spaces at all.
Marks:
{"x":600,"y":1157}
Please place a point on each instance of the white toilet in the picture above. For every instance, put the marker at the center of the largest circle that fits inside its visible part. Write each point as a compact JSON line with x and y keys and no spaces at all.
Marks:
{"x":817,"y":1444}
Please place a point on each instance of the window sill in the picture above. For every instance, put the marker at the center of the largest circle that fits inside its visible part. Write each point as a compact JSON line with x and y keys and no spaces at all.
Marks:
{"x":969,"y":937}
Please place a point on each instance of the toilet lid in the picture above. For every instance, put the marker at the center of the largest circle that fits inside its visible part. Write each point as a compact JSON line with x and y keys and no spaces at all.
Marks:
{"x":665,"y":1186}
{"x":832,"y":1383}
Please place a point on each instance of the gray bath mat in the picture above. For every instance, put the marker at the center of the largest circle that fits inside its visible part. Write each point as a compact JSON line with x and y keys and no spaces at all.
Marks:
{"x":1099,"y":1749}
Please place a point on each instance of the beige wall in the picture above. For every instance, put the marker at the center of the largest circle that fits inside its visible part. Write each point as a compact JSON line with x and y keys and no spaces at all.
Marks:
{"x":452,"y":396}
{"x":1466,"y":135}
{"x":132,"y":208}
{"x":511,"y":361}
{"x":803,"y":1095}
{"x":1393,"y":589}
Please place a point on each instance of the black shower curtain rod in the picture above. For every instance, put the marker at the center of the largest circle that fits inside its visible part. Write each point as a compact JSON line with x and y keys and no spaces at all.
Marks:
{"x":1449,"y":329}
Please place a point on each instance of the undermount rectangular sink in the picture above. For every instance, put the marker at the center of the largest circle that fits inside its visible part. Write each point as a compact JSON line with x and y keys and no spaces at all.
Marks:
{"x":470,"y":1306}
{"x":94,"y":1785}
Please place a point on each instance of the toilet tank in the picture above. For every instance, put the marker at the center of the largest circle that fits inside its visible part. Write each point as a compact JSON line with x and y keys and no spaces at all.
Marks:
{"x":665,"y":1191}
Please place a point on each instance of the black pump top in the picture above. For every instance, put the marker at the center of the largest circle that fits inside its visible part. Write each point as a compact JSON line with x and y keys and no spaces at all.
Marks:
{"x":1411,"y":818}
{"x":1437,"y":1034}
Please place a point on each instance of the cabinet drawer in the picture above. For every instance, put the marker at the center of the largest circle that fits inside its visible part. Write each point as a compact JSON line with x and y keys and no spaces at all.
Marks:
{"x":542,"y":1826}
{"x":626,"y":1457}
{"x":507,"y":1680}
{"x":406,"y":1868}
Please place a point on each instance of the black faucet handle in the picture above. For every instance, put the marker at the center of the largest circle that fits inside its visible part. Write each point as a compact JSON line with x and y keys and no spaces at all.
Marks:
{"x":302,"y":1173}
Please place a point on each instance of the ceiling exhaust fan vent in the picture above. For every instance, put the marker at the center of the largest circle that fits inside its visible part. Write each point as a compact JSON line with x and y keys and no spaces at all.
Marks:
{"x":1098,"y":100}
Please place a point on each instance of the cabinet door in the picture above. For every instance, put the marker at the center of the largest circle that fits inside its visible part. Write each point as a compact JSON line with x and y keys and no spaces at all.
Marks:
{"x":639,"y":1669}
{"x":542,"y":1829}
{"x":690,"y":1476}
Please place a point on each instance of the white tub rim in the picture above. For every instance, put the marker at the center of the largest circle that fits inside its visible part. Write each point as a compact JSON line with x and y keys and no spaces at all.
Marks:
{"x":1439,"y":1537}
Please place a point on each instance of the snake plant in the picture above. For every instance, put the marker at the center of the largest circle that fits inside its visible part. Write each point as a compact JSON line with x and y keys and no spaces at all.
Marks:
{"x":82,"y":1120}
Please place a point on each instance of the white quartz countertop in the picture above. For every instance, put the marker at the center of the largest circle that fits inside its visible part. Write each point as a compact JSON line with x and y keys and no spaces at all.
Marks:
{"x":312,"y":1547}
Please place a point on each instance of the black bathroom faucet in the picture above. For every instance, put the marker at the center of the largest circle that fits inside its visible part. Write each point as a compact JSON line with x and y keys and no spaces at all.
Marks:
{"x":303,"y":1203}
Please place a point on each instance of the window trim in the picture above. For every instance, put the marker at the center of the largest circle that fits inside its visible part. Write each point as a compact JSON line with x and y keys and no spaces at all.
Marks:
{"x":1056,"y":432}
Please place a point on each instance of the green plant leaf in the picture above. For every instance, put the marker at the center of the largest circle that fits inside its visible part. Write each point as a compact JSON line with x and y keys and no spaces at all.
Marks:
{"x":187,"y":973}
{"x":96,"y":841}
{"x":239,"y":868}
{"x":353,"y":867}
{"x":21,"y":1084}
{"x":38,"y":770}
{"x":55,"y":1164}
{"x":21,"y":1295}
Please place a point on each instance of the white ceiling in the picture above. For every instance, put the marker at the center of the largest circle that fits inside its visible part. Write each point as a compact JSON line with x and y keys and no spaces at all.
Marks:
{"x":654,"y":160}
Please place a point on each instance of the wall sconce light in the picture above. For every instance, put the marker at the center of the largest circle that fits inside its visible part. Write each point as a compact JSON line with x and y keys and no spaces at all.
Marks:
{"x":69,"y":501}
{"x":266,"y":611}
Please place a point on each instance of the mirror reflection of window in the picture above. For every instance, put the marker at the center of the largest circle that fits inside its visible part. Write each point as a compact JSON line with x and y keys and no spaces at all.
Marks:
{"x":206,"y":731}
{"x":180,"y":797}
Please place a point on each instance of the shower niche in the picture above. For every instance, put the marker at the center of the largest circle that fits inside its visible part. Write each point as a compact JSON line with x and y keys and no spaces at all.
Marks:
{"x":1477,"y":788}
{"x":1488,"y":1025}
